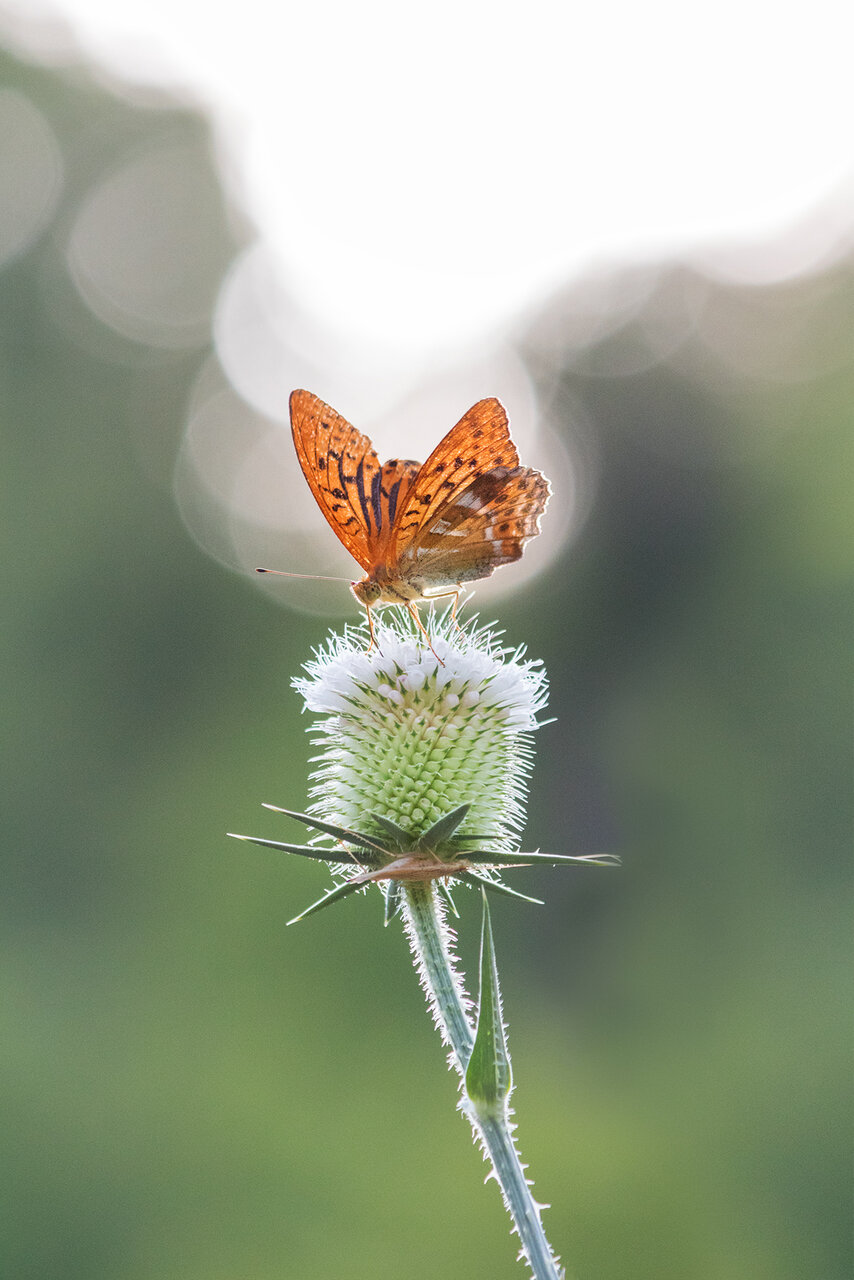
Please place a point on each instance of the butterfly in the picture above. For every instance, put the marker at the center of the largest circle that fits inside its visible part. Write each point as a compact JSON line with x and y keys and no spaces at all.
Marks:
{"x":420,"y":530}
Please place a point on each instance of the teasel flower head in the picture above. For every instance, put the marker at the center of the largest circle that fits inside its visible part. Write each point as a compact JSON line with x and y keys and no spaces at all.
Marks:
{"x":424,"y":755}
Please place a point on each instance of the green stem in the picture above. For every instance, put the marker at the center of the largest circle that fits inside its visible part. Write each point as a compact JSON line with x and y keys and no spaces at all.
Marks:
{"x":431,"y":940}
{"x":496,"y":1134}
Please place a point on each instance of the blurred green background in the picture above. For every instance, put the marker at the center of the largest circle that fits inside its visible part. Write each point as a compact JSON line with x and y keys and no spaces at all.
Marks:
{"x":191,"y":1090}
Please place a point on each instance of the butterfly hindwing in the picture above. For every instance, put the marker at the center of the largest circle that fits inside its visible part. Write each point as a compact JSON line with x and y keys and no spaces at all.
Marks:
{"x":480,"y":528}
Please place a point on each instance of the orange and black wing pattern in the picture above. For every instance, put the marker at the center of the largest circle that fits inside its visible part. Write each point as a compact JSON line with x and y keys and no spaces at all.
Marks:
{"x":359,"y":498}
{"x":468,"y":509}
{"x":471,"y":508}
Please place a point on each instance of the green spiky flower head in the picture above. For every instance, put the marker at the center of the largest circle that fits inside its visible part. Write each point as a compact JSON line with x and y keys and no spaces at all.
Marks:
{"x":425,"y":750}
{"x":410,"y":731}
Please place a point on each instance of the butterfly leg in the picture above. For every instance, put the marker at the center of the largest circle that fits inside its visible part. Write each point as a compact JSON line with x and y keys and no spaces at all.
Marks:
{"x":370,"y":628}
{"x":413,"y":611}
{"x":443,"y":595}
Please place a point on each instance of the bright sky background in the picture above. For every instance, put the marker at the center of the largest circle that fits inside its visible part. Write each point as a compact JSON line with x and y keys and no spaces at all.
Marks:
{"x":422,"y":177}
{"x":421,"y":172}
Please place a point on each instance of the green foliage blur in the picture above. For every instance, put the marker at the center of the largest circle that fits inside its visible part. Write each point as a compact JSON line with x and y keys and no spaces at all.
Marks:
{"x":192,"y":1091}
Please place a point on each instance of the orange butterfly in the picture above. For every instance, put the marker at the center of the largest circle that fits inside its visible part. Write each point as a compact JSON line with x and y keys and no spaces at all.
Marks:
{"x":420,"y":531}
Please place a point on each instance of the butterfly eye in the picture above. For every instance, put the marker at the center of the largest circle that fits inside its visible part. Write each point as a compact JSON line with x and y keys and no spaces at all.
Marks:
{"x":366,"y":592}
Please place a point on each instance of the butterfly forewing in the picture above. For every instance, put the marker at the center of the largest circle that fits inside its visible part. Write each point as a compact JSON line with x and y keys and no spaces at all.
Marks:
{"x":396,"y":481}
{"x":343,"y":472}
{"x":472,"y":506}
{"x":478,"y":443}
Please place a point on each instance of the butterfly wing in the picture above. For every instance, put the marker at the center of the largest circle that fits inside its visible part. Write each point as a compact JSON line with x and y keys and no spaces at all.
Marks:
{"x":479,"y":442}
{"x":343,"y":472}
{"x":471,"y":508}
{"x":396,"y":481}
{"x":487,"y":526}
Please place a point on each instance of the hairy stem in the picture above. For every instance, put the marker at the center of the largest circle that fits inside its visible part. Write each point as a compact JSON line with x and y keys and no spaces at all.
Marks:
{"x":431,"y":941}
{"x":495,"y":1133}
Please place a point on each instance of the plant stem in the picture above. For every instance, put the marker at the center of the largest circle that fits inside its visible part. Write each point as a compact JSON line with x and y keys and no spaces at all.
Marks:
{"x":497,"y":1137}
{"x":431,"y":941}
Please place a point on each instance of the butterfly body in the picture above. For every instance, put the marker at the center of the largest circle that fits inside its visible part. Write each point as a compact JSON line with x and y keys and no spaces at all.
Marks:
{"x":419,"y":531}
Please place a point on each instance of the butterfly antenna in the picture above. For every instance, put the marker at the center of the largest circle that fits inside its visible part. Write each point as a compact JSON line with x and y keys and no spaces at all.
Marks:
{"x":315,"y":577}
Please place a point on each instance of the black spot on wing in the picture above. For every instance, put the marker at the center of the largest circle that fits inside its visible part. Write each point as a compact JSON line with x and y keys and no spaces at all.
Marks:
{"x":376,"y":504}
{"x":392,"y":498}
{"x":363,"y":497}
